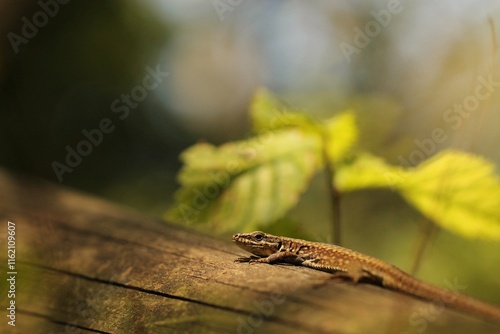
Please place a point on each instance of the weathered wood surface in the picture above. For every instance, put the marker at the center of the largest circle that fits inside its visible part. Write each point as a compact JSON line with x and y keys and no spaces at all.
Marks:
{"x":87,"y":266}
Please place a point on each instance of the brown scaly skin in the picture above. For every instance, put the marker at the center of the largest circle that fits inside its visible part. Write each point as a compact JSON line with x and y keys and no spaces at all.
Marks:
{"x":354,"y":266}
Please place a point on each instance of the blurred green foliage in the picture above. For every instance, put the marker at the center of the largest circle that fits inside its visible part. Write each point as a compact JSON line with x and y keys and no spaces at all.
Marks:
{"x":247,"y":185}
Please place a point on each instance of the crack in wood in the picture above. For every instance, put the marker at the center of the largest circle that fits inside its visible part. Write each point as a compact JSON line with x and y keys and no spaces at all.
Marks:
{"x":271,"y":318}
{"x":59,"y":322}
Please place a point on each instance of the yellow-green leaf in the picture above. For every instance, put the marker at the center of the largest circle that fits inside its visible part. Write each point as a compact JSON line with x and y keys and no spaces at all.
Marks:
{"x":244,"y":184}
{"x":368,"y":171}
{"x":269,"y":114}
{"x":203,"y":161}
{"x":341,"y":134}
{"x":458,"y":191}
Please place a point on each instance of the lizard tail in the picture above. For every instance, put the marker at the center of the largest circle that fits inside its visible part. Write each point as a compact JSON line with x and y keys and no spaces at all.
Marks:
{"x":445,"y":297}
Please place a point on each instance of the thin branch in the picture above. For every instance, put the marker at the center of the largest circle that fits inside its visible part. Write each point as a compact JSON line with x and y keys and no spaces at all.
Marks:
{"x":426,"y":236}
{"x":334,"y":199}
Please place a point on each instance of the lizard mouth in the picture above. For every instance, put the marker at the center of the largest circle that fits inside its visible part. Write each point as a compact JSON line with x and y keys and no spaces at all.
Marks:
{"x":237,"y":238}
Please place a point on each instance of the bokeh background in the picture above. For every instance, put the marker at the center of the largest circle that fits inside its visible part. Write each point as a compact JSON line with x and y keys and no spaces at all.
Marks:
{"x":402,"y":80}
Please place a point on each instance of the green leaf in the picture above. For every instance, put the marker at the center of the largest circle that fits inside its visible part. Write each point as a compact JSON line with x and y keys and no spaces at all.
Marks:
{"x":244,"y":184}
{"x":341,"y":133}
{"x":367,"y":171}
{"x":269,"y":114}
{"x":458,"y":191}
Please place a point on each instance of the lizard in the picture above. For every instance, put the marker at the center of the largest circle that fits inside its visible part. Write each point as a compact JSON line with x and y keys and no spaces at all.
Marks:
{"x":354,"y":266}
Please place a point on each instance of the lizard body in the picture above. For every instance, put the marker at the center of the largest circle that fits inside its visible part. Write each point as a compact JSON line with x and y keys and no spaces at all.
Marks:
{"x":355,"y":266}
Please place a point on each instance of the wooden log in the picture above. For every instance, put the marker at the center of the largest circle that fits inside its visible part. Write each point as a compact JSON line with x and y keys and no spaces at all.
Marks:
{"x":88,"y":266}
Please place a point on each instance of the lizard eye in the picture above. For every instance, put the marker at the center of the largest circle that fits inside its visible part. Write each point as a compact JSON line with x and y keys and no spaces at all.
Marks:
{"x":259,"y":237}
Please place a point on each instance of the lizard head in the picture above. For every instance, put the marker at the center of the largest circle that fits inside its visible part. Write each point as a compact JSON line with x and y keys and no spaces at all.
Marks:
{"x":257,"y":243}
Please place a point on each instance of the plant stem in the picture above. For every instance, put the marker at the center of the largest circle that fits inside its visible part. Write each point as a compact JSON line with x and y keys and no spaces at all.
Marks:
{"x":334,"y":200}
{"x":427,"y":234}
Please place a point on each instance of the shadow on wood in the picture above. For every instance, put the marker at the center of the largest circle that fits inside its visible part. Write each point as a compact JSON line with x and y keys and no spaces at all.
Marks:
{"x":87,"y":266}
